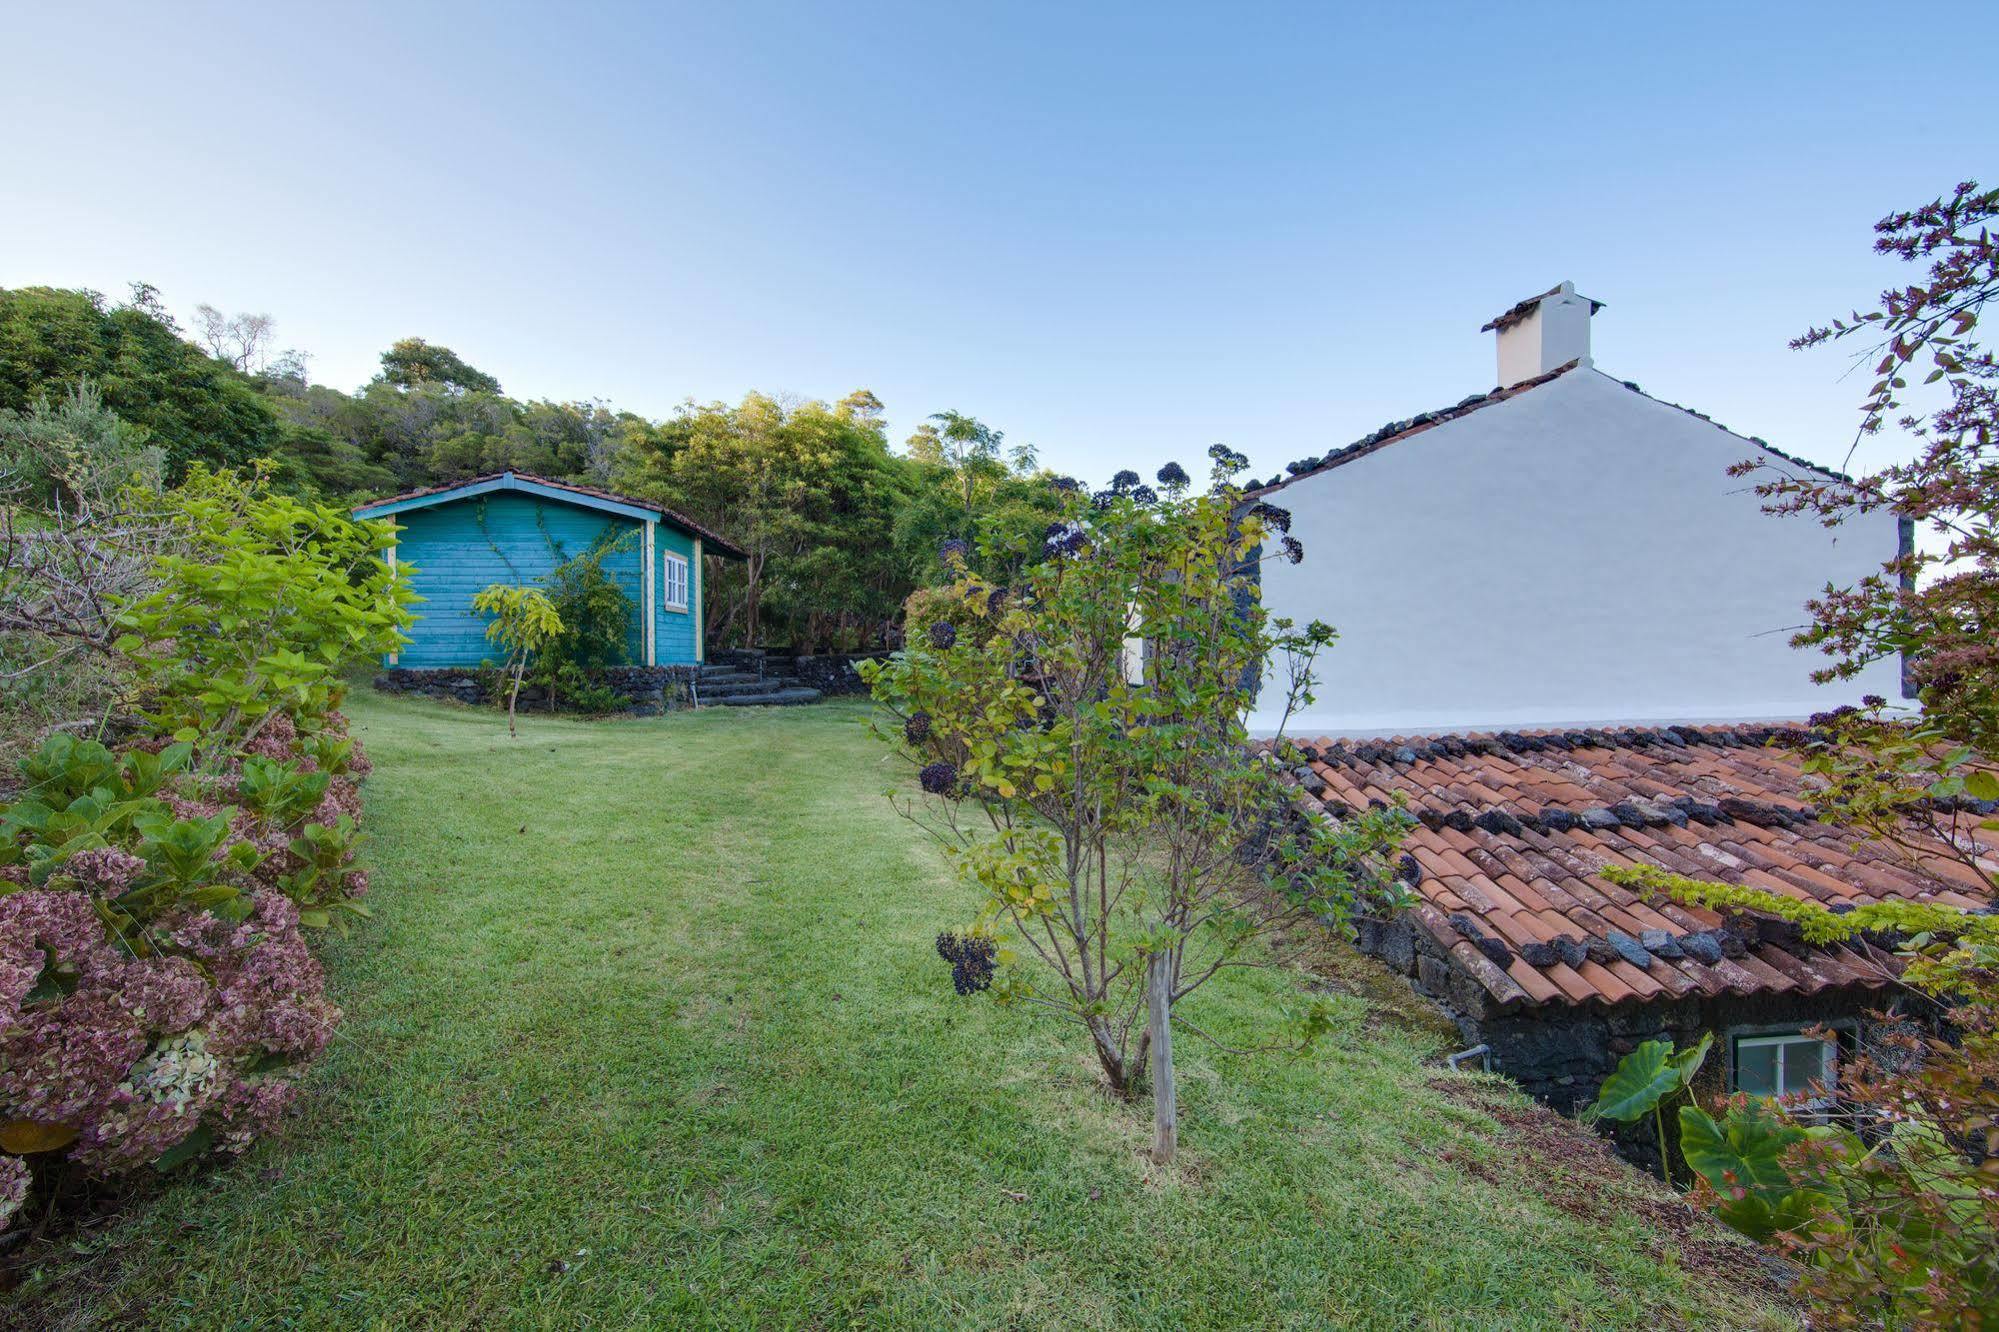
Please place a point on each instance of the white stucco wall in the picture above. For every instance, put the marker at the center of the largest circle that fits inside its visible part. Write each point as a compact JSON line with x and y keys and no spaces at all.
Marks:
{"x":1575,"y":555}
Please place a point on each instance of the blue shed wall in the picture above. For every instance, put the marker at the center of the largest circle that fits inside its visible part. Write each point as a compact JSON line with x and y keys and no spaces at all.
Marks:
{"x":460,"y":547}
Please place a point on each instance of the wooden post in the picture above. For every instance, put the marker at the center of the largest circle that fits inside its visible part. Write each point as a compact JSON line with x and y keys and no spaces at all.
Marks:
{"x":1159,"y":1034}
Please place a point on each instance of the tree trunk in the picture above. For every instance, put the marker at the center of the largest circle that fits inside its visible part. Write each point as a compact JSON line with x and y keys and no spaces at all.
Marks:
{"x":1159,"y":1035}
{"x":1109,"y":1056}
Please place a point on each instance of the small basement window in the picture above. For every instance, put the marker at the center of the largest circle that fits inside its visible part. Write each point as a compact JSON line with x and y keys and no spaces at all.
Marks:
{"x":1784,"y":1064}
{"x":674,"y":568}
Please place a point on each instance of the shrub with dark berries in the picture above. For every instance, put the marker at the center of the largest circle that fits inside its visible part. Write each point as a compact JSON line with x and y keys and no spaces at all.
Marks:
{"x":1124,"y":481}
{"x":972,"y":961}
{"x":943,"y":634}
{"x":916,"y":729}
{"x":1173,"y":476}
{"x":954,"y":552}
{"x":938,"y":779}
{"x":1293,"y":549}
{"x":1145,"y":494}
{"x":1272,"y":515}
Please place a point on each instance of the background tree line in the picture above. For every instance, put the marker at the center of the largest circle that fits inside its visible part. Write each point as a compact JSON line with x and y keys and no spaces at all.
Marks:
{"x":840,"y":525}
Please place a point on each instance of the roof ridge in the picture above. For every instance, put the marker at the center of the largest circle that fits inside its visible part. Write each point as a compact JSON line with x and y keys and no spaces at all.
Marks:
{"x":1396,"y":431}
{"x":723,"y":544}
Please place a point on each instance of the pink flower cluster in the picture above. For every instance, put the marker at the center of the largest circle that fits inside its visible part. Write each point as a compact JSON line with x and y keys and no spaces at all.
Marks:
{"x":200,"y":1026}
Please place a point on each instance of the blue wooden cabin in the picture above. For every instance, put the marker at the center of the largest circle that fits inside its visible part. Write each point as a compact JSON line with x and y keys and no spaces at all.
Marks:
{"x":514,"y":528}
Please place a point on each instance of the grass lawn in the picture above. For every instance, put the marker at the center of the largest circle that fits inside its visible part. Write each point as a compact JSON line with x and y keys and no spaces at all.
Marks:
{"x":648,"y":1031}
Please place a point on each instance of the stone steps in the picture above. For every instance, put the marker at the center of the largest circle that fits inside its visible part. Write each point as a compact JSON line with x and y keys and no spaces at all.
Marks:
{"x":736,"y":688}
{"x":776,"y":696}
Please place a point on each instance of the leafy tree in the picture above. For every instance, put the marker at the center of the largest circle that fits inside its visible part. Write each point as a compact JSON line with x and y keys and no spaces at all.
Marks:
{"x":194,"y":408}
{"x":257,"y":609}
{"x":411,"y":362}
{"x":1904,"y":1232}
{"x":74,"y":452}
{"x":1113,"y":817}
{"x":524,"y":622}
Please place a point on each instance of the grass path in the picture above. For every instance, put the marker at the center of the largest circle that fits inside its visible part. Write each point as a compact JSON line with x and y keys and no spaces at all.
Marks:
{"x":647,"y":1031}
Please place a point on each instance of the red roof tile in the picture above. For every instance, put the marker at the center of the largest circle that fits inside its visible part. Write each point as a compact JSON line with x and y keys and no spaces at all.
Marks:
{"x":1516,"y":828}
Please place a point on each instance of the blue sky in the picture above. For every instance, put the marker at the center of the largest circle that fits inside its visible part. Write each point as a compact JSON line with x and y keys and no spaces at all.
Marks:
{"x":1121,"y":232}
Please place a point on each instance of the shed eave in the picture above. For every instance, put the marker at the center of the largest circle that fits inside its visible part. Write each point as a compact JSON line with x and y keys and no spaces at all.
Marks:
{"x":508,"y":481}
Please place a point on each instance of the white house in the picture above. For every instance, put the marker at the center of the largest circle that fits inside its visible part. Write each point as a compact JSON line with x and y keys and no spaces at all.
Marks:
{"x":1563,"y":550}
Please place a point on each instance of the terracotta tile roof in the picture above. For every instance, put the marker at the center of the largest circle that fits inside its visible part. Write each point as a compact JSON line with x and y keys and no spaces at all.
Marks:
{"x":1515,"y":828}
{"x":709,"y":537}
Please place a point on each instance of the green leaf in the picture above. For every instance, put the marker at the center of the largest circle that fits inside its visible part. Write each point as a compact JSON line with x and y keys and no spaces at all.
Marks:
{"x":193,"y":1145}
{"x":1982,"y":785}
{"x":1643,"y":1078}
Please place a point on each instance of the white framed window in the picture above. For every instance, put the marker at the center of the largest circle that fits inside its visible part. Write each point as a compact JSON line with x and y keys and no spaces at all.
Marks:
{"x":673,"y":577}
{"x":1784,"y":1064}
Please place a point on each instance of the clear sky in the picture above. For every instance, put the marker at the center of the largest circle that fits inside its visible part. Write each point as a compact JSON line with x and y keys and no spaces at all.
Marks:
{"x":1120,"y":232}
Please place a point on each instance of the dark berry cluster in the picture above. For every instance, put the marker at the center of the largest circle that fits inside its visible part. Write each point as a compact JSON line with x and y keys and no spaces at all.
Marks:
{"x":954,"y":552}
{"x":1068,"y":485}
{"x":1173,"y":476}
{"x":943,"y":634}
{"x":1227,"y":461}
{"x":972,"y":960}
{"x":1293,"y":549}
{"x":917,"y":728}
{"x":1123,"y":482}
{"x":1272,"y":515}
{"x":938,"y":779}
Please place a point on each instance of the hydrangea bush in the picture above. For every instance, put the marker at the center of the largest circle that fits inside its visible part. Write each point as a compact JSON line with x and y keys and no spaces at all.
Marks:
{"x":158,"y":996}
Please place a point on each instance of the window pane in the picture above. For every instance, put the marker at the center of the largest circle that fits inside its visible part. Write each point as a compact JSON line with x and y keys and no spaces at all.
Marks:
{"x":1756,"y":1067}
{"x":1805,"y":1065}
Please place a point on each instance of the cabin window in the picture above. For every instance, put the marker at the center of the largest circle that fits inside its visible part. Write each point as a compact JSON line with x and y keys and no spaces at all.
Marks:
{"x":675,"y":567}
{"x":1784,"y":1064}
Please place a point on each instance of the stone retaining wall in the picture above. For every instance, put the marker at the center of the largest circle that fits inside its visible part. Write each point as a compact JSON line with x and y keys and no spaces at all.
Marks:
{"x":647,"y":690}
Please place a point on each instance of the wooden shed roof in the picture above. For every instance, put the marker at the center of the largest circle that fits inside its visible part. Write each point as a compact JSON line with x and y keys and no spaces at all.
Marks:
{"x":564,"y":492}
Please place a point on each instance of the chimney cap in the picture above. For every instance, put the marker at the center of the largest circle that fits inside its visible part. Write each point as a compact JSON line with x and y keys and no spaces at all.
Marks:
{"x":1519,"y":312}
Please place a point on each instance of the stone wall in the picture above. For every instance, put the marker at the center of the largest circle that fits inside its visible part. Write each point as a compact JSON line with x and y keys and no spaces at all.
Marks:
{"x":1560,"y":1054}
{"x":828,"y":672}
{"x":647,"y":690}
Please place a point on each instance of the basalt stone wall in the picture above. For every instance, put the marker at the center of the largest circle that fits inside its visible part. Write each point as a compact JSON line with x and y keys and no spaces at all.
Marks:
{"x":647,"y":690}
{"x":828,"y":672}
{"x":1561,"y":1054}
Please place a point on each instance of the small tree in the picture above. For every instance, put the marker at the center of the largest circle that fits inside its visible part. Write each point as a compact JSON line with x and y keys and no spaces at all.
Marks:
{"x":1103,"y":796}
{"x":1903,"y":1232}
{"x":524,"y":621}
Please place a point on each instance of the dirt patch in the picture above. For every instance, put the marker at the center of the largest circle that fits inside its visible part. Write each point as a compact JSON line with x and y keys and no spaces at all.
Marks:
{"x":1573,"y":1170}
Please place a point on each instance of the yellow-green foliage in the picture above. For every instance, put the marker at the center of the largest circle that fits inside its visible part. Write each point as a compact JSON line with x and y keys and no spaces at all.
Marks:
{"x":1950,"y":952}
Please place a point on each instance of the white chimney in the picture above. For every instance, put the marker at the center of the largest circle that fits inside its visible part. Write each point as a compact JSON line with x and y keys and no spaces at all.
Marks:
{"x":1543,"y":333}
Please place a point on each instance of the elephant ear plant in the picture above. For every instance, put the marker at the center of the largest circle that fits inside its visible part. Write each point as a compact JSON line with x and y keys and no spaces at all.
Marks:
{"x":1082,"y":745}
{"x":1645,"y":1081}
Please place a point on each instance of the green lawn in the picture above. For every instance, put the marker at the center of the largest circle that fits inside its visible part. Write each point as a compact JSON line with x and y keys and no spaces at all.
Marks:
{"x":648,"y":1031}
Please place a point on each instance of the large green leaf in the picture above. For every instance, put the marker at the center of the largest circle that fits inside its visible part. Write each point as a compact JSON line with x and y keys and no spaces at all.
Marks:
{"x":1643,"y":1078}
{"x":1741,"y":1156}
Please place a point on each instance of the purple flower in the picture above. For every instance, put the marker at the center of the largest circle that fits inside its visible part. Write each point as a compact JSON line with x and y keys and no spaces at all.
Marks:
{"x":1873,"y":701}
{"x":105,"y":871}
{"x":14,"y":1181}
